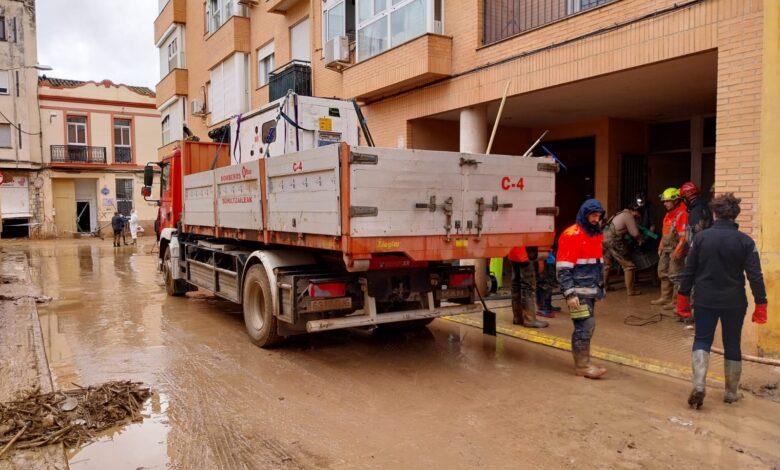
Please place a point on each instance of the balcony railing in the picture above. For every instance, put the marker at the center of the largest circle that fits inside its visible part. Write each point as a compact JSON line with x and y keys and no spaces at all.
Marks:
{"x":506,"y":18}
{"x":295,"y":76}
{"x":123,"y":154}
{"x":78,"y":154}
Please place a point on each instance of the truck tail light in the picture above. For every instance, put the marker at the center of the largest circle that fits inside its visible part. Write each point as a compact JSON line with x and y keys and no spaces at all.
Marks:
{"x":326,"y":290}
{"x":458,"y":280}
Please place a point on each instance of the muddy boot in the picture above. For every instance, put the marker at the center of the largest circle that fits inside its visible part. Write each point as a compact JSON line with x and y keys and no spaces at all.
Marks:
{"x":733,"y":370}
{"x":584,"y":368}
{"x":529,"y":318}
{"x":517,"y":308}
{"x":672,"y":304}
{"x":700,"y":362}
{"x":666,"y":293}
{"x":630,"y":278}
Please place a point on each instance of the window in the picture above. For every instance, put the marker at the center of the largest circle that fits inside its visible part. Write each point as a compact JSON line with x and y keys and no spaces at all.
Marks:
{"x":166,"y":130}
{"x":124,"y":196}
{"x":123,"y":152}
{"x":77,"y":130}
{"x":5,"y":136}
{"x":300,"y":46}
{"x":173,"y":54}
{"x":218,"y":12}
{"x":4,"y":85}
{"x":334,"y":20}
{"x":383,"y":24}
{"x":165,"y":177}
{"x":2,"y":29}
{"x":580,"y":5}
{"x":229,"y":91}
{"x":265,"y":63}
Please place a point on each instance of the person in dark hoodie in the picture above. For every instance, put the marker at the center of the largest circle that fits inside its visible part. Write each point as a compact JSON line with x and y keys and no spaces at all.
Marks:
{"x":118,"y":224}
{"x":580,"y":274}
{"x":699,"y":215}
{"x":719,"y":259}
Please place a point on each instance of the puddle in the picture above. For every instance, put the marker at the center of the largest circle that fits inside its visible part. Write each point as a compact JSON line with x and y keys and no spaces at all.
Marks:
{"x":134,"y":446}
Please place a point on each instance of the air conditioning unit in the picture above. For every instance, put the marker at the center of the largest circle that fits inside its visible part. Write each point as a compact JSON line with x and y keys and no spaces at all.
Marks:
{"x":337,"y":52}
{"x":197,"y":108}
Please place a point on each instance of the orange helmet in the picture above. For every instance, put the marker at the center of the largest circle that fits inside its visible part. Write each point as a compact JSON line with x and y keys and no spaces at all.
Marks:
{"x":689,"y":190}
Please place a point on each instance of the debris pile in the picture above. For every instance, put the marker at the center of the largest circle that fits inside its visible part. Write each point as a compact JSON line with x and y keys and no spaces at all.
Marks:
{"x":72,"y":417}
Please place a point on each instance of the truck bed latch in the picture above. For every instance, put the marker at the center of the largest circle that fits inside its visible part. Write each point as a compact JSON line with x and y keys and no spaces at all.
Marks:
{"x":494,"y":207}
{"x":469,"y":162}
{"x":363,"y":211}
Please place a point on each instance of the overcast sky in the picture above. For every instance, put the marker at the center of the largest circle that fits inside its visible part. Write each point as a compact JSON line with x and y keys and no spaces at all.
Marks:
{"x":99,"y":39}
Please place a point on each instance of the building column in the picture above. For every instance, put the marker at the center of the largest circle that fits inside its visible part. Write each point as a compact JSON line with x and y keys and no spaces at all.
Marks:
{"x":768,"y":335}
{"x":474,"y":139}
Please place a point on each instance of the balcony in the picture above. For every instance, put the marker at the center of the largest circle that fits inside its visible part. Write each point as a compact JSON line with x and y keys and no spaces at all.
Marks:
{"x":295,"y":76}
{"x":78,"y":154}
{"x":175,"y":11}
{"x":506,"y":19}
{"x":175,"y":83}
{"x":231,"y":37}
{"x":123,"y":154}
{"x":279,"y":6}
{"x":414,"y":63}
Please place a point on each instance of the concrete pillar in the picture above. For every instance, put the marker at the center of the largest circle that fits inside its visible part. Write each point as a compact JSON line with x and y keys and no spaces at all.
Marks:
{"x":474,"y":139}
{"x":769,"y":191}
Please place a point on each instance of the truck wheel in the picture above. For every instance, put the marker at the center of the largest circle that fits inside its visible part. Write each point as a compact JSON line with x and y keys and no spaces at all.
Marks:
{"x":258,"y":308}
{"x":174,"y":287}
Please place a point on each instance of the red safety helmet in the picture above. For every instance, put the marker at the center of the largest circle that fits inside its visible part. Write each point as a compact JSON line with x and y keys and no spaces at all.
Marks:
{"x":689,"y":190}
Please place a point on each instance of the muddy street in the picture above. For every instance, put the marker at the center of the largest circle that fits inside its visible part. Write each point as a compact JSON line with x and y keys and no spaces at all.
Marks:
{"x":442,"y":397}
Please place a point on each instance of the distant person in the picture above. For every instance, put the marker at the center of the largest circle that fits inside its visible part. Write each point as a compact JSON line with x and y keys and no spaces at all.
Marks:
{"x":672,"y":249}
{"x":716,"y":267}
{"x":699,"y":214}
{"x":524,"y":289}
{"x":118,"y":225}
{"x":133,"y":225}
{"x":581,"y":276}
{"x":647,"y":211}
{"x":616,"y":248}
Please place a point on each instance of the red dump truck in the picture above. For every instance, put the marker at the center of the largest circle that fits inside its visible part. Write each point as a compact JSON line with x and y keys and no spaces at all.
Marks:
{"x":309,"y":231}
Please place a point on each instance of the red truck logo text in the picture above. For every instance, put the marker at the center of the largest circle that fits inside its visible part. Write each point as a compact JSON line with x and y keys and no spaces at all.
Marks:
{"x":506,"y":184}
{"x":297,"y":166}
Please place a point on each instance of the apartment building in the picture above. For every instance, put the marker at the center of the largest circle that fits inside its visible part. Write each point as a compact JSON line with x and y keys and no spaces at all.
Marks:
{"x":97,"y":138}
{"x":637,"y":95}
{"x":20,"y":144}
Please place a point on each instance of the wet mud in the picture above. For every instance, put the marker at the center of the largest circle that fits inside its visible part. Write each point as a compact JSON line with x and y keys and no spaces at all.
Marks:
{"x":442,"y":397}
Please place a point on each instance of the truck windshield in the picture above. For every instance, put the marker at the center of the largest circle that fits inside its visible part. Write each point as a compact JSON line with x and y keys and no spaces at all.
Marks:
{"x":164,"y":177}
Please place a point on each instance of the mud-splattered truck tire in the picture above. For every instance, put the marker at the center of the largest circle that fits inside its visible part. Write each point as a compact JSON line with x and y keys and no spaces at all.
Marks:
{"x":174,"y":287}
{"x":259,"y":317}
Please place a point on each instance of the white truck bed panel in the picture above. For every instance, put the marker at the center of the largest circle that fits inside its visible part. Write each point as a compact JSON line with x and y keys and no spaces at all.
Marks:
{"x":239,"y":204}
{"x":199,"y":199}
{"x":401,"y":179}
{"x":304,"y":192}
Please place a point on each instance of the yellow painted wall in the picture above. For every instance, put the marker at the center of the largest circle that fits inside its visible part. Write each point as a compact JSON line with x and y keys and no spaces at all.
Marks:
{"x":769,"y":190}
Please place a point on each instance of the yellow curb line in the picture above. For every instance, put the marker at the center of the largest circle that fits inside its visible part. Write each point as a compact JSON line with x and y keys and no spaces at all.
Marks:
{"x":606,"y":354}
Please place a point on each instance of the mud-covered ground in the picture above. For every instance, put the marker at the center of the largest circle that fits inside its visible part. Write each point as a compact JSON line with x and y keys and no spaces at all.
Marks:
{"x":443,"y":397}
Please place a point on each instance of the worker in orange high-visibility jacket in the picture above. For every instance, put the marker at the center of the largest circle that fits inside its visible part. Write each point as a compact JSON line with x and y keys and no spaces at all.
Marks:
{"x":672,"y":249}
{"x":581,"y":276}
{"x":524,"y":289}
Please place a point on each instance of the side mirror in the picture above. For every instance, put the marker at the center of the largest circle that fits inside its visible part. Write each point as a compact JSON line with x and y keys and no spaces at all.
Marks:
{"x":148,"y":176}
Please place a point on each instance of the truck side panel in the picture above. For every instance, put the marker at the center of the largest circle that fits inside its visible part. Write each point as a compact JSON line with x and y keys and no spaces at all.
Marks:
{"x":239,"y":204}
{"x":199,"y":199}
{"x":303,"y":192}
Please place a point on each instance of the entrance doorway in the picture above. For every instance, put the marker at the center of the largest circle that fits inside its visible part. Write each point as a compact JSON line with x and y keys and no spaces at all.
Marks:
{"x":83,"y":217}
{"x":576,"y":183}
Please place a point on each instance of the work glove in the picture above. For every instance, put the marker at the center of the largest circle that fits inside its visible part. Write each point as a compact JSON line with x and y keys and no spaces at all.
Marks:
{"x":684,"y":306}
{"x":759,"y":314}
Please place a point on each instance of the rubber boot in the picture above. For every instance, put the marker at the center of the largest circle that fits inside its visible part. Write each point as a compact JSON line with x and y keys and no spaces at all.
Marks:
{"x":630,"y":278}
{"x":517,"y":308}
{"x":666,"y":292}
{"x":529,"y":317}
{"x":700,"y":362}
{"x":733,"y":371}
{"x":584,"y":368}
{"x":672,"y":304}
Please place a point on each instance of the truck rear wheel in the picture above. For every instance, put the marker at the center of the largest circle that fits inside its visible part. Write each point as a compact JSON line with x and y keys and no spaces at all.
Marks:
{"x":259,"y":317}
{"x":174,"y":287}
